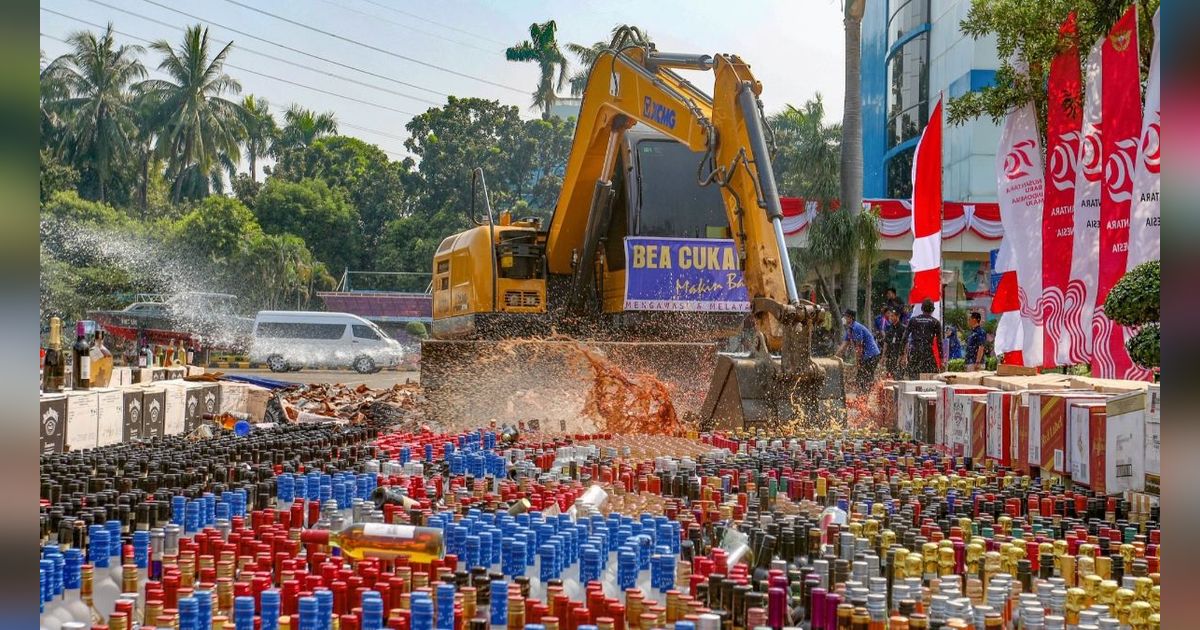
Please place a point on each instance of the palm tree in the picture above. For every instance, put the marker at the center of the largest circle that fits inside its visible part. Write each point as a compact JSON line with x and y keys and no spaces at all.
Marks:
{"x":852,"y":156}
{"x":542,"y":48}
{"x":808,"y":151}
{"x":88,"y":89}
{"x":587,"y":56}
{"x":198,"y":129}
{"x":302,"y":127}
{"x":261,"y":131}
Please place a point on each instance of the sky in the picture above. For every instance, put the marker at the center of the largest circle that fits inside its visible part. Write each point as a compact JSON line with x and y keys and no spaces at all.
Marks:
{"x":376,"y":63}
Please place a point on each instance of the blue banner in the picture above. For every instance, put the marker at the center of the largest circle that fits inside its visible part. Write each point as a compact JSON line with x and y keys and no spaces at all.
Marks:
{"x":683,"y":274}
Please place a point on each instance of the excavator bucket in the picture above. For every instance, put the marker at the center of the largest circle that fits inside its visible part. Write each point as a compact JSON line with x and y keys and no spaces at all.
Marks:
{"x":471,"y":382}
{"x":751,"y":390}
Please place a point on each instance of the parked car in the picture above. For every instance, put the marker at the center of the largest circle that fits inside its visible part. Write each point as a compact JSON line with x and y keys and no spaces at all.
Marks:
{"x":291,"y":340}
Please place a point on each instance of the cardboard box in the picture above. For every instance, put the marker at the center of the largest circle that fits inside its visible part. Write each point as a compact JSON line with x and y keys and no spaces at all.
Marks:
{"x":1015,"y":370}
{"x":122,"y":376}
{"x":131,"y":414}
{"x":924,"y":423}
{"x":174,"y":409}
{"x":978,"y":430}
{"x":256,"y":402}
{"x":1108,"y":385}
{"x":920,"y":386}
{"x":154,"y":412}
{"x":109,"y":415}
{"x":1020,"y":435}
{"x":944,"y":408}
{"x":193,"y":370}
{"x":52,"y":418}
{"x":1053,"y":411}
{"x":906,"y":412}
{"x":1107,"y":445}
{"x":176,"y":372}
{"x":82,"y":408}
{"x":1153,"y":449}
{"x":232,"y":397}
{"x":141,"y":375}
{"x":958,"y":431}
{"x":201,"y":398}
{"x":999,"y":431}
{"x":1017,"y":383}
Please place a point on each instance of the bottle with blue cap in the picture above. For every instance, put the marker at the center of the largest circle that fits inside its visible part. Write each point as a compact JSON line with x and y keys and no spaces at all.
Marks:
{"x":269,"y":604}
{"x":306,"y":609}
{"x":372,"y":611}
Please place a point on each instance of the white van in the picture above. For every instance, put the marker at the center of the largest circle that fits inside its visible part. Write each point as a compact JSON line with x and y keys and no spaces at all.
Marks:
{"x":290,"y":340}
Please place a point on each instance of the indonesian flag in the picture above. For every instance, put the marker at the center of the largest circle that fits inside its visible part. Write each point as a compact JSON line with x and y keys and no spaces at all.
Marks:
{"x":1019,"y":189}
{"x":1063,"y":119}
{"x":1121,"y":99}
{"x":1144,"y":216}
{"x":1079,"y":300}
{"x":927,"y":213}
{"x":1007,"y":303}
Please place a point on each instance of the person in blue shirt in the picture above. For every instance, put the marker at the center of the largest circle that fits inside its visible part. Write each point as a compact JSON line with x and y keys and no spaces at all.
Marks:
{"x":864,"y":347}
{"x":976,"y":343}
{"x":953,"y":347}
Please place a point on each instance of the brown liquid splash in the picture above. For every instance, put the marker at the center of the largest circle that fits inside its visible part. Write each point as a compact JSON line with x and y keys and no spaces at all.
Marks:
{"x":627,"y":403}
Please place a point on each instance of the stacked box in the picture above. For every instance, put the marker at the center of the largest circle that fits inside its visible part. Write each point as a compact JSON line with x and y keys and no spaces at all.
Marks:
{"x":1053,"y":411}
{"x":1107,"y":445}
{"x":174,"y":408}
{"x":154,"y":412}
{"x":52,"y":419}
{"x":978,"y":450}
{"x":945,"y":409}
{"x":999,"y":431}
{"x":109,"y":416}
{"x":199,"y":398}
{"x":924,"y":417}
{"x":1153,"y":450}
{"x":232,"y":397}
{"x":131,"y":412}
{"x":82,"y":419}
{"x":958,"y":430}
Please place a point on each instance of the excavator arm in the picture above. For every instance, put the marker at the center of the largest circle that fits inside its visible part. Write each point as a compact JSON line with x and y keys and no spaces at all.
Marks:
{"x":631,"y":83}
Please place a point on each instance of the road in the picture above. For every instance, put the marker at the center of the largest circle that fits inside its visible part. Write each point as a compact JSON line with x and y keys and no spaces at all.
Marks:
{"x":378,"y":380}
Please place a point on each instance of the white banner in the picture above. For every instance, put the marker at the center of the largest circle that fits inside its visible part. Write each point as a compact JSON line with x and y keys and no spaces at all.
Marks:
{"x":1019,"y":180}
{"x":1075,"y":345}
{"x":1144,"y":215}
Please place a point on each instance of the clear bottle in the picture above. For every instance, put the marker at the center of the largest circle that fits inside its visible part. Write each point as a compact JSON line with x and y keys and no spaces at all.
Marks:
{"x":378,"y":540}
{"x":93,"y":616}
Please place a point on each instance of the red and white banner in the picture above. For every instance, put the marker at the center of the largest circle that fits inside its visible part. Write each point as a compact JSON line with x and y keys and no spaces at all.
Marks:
{"x":1063,"y":119}
{"x":927,"y":212}
{"x":1121,"y":99}
{"x":1079,"y":299}
{"x":1007,"y":303}
{"x":1019,"y":188}
{"x":1144,"y":216}
{"x":982,"y":218}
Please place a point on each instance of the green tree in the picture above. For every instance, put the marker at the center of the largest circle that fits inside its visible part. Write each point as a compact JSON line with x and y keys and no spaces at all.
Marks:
{"x":221,"y":227}
{"x":852,"y":156}
{"x":55,"y":176}
{"x":320,"y":215}
{"x":282,"y":272}
{"x":87,"y":90}
{"x":542,"y":48}
{"x":302,"y":127}
{"x":1028,"y":29}
{"x":260,"y":131}
{"x":587,"y":56}
{"x":542,"y":151}
{"x":198,"y":129}
{"x":373,"y":184}
{"x":1135,"y":301}
{"x":807,"y":158}
{"x":836,"y":240}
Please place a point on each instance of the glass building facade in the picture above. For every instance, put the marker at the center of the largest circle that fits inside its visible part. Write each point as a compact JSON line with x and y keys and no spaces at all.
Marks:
{"x":907,"y":64}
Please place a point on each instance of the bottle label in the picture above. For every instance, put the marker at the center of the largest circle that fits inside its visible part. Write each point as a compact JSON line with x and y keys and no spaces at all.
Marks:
{"x":388,"y":531}
{"x":85,"y":368}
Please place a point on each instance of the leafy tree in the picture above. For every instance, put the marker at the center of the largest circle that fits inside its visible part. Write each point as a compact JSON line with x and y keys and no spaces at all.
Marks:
{"x":260,"y":131}
{"x":542,"y":151}
{"x":807,"y":150}
{"x":87,"y":89}
{"x":245,"y":189}
{"x":302,"y":127}
{"x":1029,"y":29}
{"x":320,"y":215}
{"x":373,"y":184}
{"x":55,"y":176}
{"x":70,"y":209}
{"x":587,"y":56}
{"x":198,"y":128}
{"x":1135,"y":301}
{"x":221,"y":226}
{"x":542,"y":49}
{"x":282,"y":272}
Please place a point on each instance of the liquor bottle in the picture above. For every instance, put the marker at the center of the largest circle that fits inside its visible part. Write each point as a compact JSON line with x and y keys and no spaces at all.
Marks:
{"x":421,"y":545}
{"x":52,"y":371}
{"x":180,"y":355}
{"x":82,"y":358}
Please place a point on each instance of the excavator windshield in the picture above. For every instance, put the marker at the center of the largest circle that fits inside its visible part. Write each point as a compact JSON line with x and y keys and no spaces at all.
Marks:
{"x":670,"y":199}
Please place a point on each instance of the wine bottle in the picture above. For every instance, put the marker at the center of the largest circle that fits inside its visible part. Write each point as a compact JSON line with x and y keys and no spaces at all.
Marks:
{"x":378,"y":540}
{"x":83,"y":358}
{"x":52,"y":371}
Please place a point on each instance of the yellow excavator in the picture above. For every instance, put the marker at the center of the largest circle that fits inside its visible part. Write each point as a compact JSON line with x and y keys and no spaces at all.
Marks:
{"x":652,"y":156}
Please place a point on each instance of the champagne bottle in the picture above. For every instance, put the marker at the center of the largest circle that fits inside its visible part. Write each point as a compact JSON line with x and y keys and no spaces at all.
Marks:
{"x":83,"y":358}
{"x":52,"y":372}
{"x":378,"y":540}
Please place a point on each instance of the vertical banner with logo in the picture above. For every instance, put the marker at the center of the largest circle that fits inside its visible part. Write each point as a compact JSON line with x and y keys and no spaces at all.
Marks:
{"x":1144,"y":216}
{"x":1019,"y":190}
{"x":1121,"y":99}
{"x":1063,"y":119}
{"x":927,"y":213}
{"x":1079,"y":299}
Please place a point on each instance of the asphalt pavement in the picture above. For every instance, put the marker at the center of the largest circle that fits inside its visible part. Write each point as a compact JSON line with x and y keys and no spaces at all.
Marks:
{"x":378,"y":380}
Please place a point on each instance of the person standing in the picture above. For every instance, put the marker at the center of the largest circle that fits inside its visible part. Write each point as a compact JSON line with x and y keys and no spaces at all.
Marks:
{"x":922,"y":340}
{"x":893,"y":343}
{"x":862,"y":343}
{"x":953,"y":348}
{"x":976,"y":343}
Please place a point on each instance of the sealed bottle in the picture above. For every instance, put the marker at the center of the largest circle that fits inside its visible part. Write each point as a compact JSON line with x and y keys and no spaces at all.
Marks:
{"x":379,"y":540}
{"x":82,"y":358}
{"x":53,"y":368}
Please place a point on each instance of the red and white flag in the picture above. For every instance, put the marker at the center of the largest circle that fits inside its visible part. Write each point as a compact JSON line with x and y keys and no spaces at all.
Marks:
{"x":1079,"y":298}
{"x":1019,"y":177}
{"x":1063,"y":119}
{"x":1121,"y":99}
{"x":927,"y":213}
{"x":1144,"y":216}
{"x":1007,"y":303}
